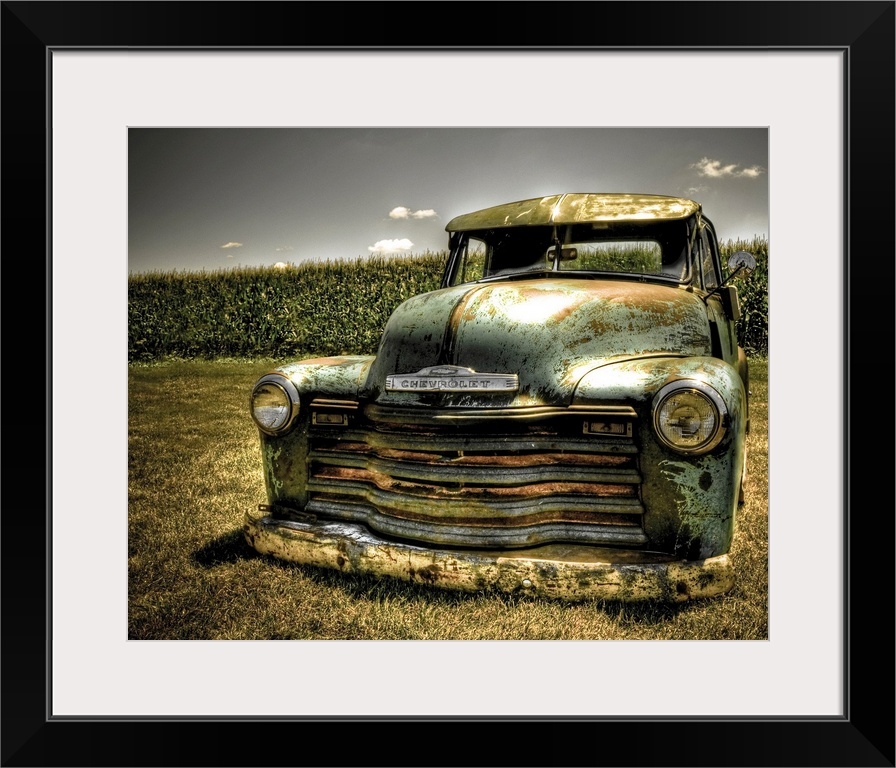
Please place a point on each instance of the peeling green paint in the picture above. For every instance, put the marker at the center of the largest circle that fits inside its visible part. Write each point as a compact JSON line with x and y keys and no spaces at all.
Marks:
{"x":549,"y":332}
{"x":270,"y":456}
{"x":334,"y":376}
{"x":705,"y":508}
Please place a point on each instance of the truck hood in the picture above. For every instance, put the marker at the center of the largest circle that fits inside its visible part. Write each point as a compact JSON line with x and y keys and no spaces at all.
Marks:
{"x":547,"y":332}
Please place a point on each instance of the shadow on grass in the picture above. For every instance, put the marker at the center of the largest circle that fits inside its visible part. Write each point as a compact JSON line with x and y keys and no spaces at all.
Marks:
{"x":363,"y":586}
{"x":225,"y":550}
{"x":643,"y":612}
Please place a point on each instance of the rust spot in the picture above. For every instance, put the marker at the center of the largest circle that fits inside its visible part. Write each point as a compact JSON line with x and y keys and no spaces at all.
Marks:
{"x":331,"y":362}
{"x":705,"y":579}
{"x":429,"y":575}
{"x":572,"y":308}
{"x":533,"y":490}
{"x":504,"y":460}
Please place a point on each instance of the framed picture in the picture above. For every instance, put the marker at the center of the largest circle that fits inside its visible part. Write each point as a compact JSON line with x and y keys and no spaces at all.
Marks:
{"x":809,"y":695}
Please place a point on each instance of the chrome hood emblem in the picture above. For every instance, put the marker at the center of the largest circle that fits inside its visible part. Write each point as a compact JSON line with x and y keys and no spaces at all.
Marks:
{"x":451,"y":378}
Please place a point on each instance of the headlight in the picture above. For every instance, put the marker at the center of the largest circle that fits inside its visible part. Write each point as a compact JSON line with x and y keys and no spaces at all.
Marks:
{"x":274,"y":403}
{"x":689,"y":416}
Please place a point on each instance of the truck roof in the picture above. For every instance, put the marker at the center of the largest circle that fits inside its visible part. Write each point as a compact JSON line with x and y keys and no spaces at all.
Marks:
{"x":576,"y":208}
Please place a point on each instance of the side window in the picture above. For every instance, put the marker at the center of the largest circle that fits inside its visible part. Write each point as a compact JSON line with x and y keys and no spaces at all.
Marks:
{"x":697,"y":256}
{"x":710,"y":260}
{"x":705,"y":256}
{"x":471,"y":265}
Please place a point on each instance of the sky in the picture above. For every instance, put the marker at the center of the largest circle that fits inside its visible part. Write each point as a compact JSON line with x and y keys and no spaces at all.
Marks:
{"x":209,"y":199}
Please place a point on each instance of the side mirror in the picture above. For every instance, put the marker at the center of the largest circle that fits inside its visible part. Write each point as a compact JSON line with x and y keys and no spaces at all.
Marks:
{"x":741,"y":261}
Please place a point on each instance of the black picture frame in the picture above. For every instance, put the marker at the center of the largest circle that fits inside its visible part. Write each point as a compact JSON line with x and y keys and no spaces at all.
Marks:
{"x":863,"y":736}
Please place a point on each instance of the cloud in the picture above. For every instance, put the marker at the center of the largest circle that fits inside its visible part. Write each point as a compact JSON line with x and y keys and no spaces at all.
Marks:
{"x":283,"y":249}
{"x":281,"y":265}
{"x":390,"y":246}
{"x":406,"y":213}
{"x":232,"y":245}
{"x":715,"y":169}
{"x":752,"y":172}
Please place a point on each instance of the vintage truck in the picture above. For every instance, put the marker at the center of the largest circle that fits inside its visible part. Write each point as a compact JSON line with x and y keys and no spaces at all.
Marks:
{"x":565,"y":416}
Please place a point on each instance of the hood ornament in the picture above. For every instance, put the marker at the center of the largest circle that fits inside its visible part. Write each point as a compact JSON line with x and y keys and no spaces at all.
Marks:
{"x":452,"y":378}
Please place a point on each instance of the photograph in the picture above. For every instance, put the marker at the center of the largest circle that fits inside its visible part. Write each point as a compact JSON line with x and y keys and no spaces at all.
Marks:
{"x":525,"y":365}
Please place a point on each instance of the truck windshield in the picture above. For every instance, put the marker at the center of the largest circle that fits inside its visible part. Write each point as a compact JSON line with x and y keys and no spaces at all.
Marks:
{"x":655,"y":250}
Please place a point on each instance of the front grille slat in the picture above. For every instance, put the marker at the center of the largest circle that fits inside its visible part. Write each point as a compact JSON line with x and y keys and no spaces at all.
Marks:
{"x":483,"y":441}
{"x":515,"y":469}
{"x":542,"y":531}
{"x":475,"y":507}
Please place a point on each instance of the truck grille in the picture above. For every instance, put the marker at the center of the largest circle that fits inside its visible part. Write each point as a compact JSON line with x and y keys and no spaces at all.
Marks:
{"x":508,"y":478}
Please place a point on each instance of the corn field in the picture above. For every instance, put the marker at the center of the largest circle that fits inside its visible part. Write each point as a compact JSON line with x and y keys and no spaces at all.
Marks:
{"x":322,"y":308}
{"x":752,"y":328}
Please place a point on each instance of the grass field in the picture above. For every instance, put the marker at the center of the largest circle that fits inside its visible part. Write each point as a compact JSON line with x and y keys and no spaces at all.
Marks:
{"x":194,"y":468}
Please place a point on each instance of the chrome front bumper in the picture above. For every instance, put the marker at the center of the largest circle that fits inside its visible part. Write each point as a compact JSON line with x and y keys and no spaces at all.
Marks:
{"x":563,"y":571}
